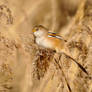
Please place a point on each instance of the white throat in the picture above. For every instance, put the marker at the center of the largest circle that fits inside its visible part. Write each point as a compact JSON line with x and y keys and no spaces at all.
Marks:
{"x":39,"y":33}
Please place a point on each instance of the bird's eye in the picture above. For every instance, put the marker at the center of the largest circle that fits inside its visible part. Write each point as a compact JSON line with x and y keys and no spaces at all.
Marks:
{"x":36,"y":29}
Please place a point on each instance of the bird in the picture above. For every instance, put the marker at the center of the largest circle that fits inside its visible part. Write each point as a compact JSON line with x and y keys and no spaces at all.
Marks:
{"x":48,"y":39}
{"x":51,"y":40}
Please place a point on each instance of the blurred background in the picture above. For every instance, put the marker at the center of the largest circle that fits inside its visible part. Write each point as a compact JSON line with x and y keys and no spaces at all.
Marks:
{"x":18,"y":50}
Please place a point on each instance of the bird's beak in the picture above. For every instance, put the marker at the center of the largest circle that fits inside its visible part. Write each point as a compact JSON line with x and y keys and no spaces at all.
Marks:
{"x":33,"y":30}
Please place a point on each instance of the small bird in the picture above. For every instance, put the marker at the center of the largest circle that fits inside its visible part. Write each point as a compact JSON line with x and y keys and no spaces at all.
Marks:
{"x":53,"y":41}
{"x":48,"y":39}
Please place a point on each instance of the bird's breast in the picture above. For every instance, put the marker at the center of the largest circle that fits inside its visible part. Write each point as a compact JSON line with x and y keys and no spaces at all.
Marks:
{"x":42,"y":41}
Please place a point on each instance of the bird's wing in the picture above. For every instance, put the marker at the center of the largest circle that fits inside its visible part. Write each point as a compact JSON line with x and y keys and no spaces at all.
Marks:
{"x":50,"y":34}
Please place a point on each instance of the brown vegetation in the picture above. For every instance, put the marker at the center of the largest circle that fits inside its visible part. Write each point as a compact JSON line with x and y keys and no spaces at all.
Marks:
{"x":26,"y":67}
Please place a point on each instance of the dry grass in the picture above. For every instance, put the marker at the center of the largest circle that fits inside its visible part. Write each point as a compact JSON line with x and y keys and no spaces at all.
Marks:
{"x":25,"y":67}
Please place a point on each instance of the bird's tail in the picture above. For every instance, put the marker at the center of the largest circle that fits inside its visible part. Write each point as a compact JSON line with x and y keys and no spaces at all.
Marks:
{"x":67,"y":54}
{"x":80,"y":66}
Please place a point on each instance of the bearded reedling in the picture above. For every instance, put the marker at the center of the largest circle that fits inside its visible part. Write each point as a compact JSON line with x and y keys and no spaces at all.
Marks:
{"x":53,"y":41}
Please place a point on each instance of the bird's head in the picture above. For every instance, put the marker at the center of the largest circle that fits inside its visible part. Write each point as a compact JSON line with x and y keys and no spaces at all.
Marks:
{"x":39,"y":31}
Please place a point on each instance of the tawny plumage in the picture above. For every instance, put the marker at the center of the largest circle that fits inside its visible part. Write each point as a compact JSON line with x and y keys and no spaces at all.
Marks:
{"x":48,"y":39}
